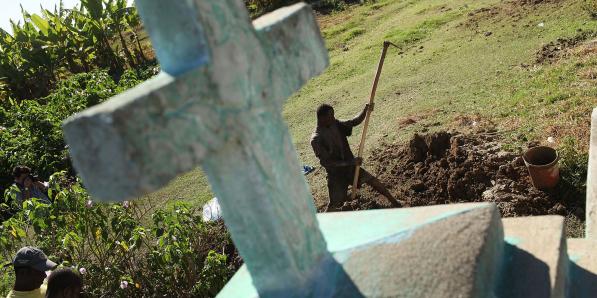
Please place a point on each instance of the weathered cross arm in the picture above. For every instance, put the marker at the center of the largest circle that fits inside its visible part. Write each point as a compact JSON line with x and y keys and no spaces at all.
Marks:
{"x":153,"y":132}
{"x":165,"y":126}
{"x":292,"y":37}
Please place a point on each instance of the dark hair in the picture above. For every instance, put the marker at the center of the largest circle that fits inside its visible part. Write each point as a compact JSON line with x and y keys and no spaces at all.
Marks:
{"x":62,"y":279}
{"x":324,"y":110}
{"x":19,"y":170}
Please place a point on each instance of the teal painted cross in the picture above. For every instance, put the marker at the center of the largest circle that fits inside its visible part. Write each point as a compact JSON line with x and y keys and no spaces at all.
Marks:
{"x":217,"y":103}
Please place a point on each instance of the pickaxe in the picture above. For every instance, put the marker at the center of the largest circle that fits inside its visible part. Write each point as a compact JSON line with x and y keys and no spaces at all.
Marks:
{"x":386,"y":45}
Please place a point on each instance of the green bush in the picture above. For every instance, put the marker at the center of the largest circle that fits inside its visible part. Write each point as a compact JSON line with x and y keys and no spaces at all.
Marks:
{"x":30,"y":130}
{"x":175,"y":254}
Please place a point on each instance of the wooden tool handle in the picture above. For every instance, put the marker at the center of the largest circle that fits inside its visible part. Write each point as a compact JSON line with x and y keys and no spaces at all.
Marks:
{"x":355,"y":182}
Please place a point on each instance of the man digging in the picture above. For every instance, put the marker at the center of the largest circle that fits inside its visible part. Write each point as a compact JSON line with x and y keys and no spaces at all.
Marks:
{"x":330,"y":144}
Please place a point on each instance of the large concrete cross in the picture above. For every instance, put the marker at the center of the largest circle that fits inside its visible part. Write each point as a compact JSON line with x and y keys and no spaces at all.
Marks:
{"x":217,"y":103}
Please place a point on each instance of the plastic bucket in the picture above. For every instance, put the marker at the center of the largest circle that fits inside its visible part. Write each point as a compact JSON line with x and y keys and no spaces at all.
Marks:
{"x":542,"y":163}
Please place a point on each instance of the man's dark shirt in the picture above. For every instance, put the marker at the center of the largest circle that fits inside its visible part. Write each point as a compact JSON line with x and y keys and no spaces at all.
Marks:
{"x":330,"y":145}
{"x":34,"y":192}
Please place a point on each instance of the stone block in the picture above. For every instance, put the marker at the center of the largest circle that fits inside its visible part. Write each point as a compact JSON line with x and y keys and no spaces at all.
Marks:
{"x":591,"y":216}
{"x":535,"y":258}
{"x":583,"y":268}
{"x":436,"y":251}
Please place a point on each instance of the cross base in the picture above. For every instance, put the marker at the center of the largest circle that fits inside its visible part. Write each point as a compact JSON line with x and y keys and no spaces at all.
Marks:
{"x":437,"y":251}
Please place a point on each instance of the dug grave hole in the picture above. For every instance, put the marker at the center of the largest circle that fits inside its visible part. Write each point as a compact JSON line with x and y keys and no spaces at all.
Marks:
{"x":453,"y":167}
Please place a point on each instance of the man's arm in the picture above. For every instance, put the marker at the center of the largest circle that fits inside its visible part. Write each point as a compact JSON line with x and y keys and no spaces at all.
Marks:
{"x":43,"y":186}
{"x":325,"y":157}
{"x":359,"y":118}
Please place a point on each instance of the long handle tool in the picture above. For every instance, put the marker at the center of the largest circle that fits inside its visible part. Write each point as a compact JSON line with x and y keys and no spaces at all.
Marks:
{"x":386,"y":45}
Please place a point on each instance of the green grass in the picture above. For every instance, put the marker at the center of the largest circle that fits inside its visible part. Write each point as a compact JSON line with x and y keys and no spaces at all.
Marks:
{"x":444,"y":69}
{"x":404,"y":38}
{"x":341,"y":29}
{"x":352,"y":34}
{"x":191,"y":187}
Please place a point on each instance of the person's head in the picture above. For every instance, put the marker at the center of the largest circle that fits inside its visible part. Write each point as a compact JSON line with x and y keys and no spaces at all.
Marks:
{"x":30,"y":265}
{"x":64,"y":283}
{"x":27,"y":181}
{"x":325,"y":115}
{"x":19,"y":173}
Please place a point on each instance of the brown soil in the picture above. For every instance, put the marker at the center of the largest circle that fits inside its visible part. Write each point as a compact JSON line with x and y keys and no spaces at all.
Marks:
{"x":532,"y":2}
{"x":559,"y":49}
{"x":442,"y":168}
{"x":511,"y":12}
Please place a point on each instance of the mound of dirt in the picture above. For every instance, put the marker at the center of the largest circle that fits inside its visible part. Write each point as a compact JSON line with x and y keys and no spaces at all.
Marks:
{"x":360,"y":203}
{"x":558,"y":49}
{"x":514,"y":11}
{"x":442,"y":168}
{"x":532,"y":2}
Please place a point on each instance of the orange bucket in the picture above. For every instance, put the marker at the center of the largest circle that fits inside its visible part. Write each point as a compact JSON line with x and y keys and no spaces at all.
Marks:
{"x":542,"y":163}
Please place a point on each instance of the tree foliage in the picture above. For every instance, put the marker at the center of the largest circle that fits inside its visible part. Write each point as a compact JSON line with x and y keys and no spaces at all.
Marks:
{"x":30,"y":130}
{"x":55,"y":44}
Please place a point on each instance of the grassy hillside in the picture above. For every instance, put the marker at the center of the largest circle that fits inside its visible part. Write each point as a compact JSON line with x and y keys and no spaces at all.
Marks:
{"x":459,"y":58}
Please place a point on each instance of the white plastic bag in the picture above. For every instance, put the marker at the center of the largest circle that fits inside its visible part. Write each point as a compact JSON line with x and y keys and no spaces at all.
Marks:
{"x":212,"y":211}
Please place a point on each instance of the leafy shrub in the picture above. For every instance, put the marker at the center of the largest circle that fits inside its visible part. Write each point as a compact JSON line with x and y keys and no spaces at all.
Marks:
{"x":30,"y":130}
{"x":213,"y":277}
{"x":175,"y":254}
